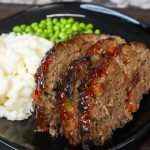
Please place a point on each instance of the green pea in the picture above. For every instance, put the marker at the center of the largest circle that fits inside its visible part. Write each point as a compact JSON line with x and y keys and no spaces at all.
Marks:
{"x":23,"y":26}
{"x":50,"y":30}
{"x":42,"y":25}
{"x":38,"y":34}
{"x":50,"y":26}
{"x":28,"y":29}
{"x":75,"y":27}
{"x":32,"y":32}
{"x":43,"y":22}
{"x":76,"y":22}
{"x":82,"y":25}
{"x":63,"y":21}
{"x":23,"y":32}
{"x":89,"y":26}
{"x":35,"y":28}
{"x":39,"y":31}
{"x":55,"y":20}
{"x":97,"y":31}
{"x":67,"y":26}
{"x":56,"y":28}
{"x":89,"y":31}
{"x":48,"y":20}
{"x":63,"y":29}
{"x":34,"y":24}
{"x":16,"y":29}
{"x":53,"y":39}
{"x":70,"y":20}
{"x":44,"y":35}
{"x":50,"y":35}
{"x":46,"y":31}
{"x":69,"y":31}
{"x":63,"y":36}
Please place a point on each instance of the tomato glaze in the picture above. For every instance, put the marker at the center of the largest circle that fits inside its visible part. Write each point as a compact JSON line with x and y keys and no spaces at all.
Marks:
{"x":86,"y":91}
{"x":40,"y":118}
{"x":39,"y":76}
{"x":40,"y":85}
{"x":66,"y":88}
{"x":67,"y":108}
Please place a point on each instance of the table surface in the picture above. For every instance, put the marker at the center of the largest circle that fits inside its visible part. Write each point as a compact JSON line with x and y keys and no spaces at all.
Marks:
{"x":143,"y":15}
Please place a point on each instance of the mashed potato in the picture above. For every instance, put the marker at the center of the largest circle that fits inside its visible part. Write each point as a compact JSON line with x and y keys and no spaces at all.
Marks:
{"x":20,"y":56}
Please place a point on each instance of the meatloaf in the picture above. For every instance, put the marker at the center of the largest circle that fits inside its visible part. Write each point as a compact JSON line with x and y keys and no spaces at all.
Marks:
{"x":84,"y":82}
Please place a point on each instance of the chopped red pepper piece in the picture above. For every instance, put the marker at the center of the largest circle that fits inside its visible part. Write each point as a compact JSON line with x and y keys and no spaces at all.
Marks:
{"x":131,"y":106}
{"x":112,"y":49}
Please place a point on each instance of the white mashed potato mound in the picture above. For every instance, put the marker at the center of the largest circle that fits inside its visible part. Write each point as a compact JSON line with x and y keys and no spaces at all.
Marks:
{"x":20,"y":56}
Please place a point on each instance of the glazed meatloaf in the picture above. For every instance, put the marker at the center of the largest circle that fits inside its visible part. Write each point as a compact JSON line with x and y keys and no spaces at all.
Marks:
{"x":84,"y":82}
{"x":49,"y":73}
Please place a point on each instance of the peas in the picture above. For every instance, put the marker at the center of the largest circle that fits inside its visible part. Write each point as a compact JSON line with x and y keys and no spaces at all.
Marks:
{"x":28,"y":29}
{"x":42,"y":26}
{"x":34,"y":24}
{"x":69,"y":31}
{"x":67,"y":26}
{"x":97,"y":31}
{"x":89,"y":26}
{"x":44,"y":35}
{"x":43,"y":22}
{"x":53,"y":39}
{"x":82,"y":25}
{"x":70,"y":20}
{"x":63,"y":21}
{"x":56,"y":29}
{"x":75,"y":27}
{"x":23,"y":26}
{"x":55,"y":20}
{"x":88,"y":31}
{"x":17,"y":29}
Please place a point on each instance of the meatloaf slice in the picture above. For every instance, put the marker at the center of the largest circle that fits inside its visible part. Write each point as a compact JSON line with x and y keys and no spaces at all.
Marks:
{"x":50,"y":72}
{"x":97,"y":89}
{"x":116,"y":91}
{"x":134,"y":59}
{"x":70,"y":108}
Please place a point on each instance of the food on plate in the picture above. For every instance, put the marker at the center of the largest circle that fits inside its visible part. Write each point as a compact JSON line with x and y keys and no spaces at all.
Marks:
{"x":89,"y":86}
{"x":59,"y":56}
{"x":20,"y":56}
{"x":55,"y":29}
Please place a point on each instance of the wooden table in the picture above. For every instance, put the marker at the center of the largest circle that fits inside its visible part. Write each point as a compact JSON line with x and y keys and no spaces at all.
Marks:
{"x":143,"y":15}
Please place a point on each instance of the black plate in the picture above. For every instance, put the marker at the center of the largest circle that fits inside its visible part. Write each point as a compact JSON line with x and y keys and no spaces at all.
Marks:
{"x":20,"y":134}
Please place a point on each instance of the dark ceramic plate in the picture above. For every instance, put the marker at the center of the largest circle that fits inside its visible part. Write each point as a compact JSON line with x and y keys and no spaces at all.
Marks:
{"x":20,"y":134}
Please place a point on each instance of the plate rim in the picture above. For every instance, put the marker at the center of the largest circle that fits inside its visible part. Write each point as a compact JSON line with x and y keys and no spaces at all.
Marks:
{"x":143,"y":130}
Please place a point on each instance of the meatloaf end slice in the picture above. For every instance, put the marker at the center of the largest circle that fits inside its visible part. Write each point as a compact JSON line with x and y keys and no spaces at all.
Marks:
{"x":135,"y":61}
{"x":118,"y":93}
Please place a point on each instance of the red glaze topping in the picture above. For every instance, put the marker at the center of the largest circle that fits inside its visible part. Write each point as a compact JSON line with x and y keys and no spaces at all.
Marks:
{"x":67,"y":112}
{"x":40,"y":85}
{"x":93,"y":49}
{"x":87,"y":96}
{"x":39,"y":76}
{"x":88,"y":92}
{"x":41,"y":121}
{"x":66,"y":90}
